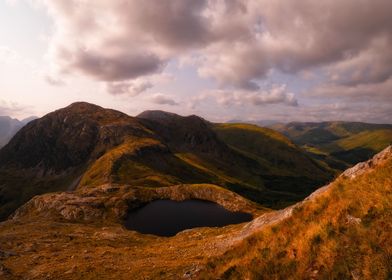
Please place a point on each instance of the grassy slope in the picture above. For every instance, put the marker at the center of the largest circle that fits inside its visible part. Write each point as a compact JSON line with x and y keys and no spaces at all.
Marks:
{"x":286,"y":167}
{"x":342,"y":234}
{"x":147,"y":162}
{"x":47,"y":246}
{"x":271,"y":149}
{"x":257,"y":157}
{"x":374,"y":140}
{"x":339,"y":144}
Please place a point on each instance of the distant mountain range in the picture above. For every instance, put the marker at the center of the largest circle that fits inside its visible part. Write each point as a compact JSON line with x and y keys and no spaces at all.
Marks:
{"x":9,"y":127}
{"x":338,"y":144}
{"x":335,"y":144}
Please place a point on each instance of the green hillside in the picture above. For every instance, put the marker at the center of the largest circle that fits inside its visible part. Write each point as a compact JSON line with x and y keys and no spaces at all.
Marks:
{"x":287,"y":167}
{"x":339,"y":144}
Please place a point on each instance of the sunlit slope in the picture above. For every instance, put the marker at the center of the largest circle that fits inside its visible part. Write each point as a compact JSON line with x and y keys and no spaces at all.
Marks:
{"x":339,"y":144}
{"x":273,"y":150}
{"x":341,"y":233}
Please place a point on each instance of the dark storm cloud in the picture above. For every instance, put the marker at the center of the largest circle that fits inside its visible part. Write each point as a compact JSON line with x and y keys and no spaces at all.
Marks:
{"x":116,"y":67}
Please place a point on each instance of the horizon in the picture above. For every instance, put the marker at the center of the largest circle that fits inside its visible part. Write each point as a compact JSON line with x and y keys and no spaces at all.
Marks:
{"x":227,"y":121}
{"x":132,"y":57}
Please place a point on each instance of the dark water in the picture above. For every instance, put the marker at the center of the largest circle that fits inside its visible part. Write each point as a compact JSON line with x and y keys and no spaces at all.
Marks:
{"x":168,"y":217}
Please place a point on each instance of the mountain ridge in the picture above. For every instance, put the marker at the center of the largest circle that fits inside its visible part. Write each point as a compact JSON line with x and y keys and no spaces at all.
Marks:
{"x":84,"y":145}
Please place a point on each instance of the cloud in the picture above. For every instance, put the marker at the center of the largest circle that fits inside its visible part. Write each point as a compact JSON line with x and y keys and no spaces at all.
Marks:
{"x":336,"y":111}
{"x":162,"y":99}
{"x":54,"y":81}
{"x":112,"y":67}
{"x":236,"y":42}
{"x":370,"y":66}
{"x":312,"y":34}
{"x":370,"y":92}
{"x":128,"y":88}
{"x":278,"y":94}
{"x":13,"y":109}
{"x":122,"y":40}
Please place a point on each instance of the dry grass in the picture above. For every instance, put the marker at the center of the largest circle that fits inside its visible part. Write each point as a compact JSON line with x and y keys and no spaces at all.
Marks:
{"x":345,"y":233}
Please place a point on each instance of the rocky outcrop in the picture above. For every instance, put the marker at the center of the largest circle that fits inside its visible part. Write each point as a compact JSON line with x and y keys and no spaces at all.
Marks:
{"x":369,"y":165}
{"x":112,"y":202}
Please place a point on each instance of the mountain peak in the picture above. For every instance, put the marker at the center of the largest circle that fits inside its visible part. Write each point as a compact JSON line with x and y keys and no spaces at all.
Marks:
{"x":83,"y":106}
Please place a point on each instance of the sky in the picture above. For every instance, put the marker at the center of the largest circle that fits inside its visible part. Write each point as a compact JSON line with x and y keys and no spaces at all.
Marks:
{"x":246,"y":60}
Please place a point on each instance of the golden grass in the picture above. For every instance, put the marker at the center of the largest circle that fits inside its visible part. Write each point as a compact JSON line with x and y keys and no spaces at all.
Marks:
{"x":254,"y":128}
{"x":100,"y":171}
{"x":344,"y":233}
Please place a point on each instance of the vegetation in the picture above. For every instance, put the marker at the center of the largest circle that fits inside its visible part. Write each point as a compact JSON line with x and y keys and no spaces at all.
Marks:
{"x":339,"y":144}
{"x":344,"y":233}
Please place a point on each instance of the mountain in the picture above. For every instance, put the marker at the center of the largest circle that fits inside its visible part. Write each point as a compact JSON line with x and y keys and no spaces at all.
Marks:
{"x":86,"y":146}
{"x":285,"y":165}
{"x":53,"y":152}
{"x":341,"y":231}
{"x":339,"y":144}
{"x":9,"y":126}
{"x":245,"y":157}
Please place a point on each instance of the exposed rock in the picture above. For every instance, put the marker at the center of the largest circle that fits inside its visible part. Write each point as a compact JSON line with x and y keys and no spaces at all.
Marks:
{"x":366,"y":166}
{"x":113,"y":201}
{"x":352,"y":220}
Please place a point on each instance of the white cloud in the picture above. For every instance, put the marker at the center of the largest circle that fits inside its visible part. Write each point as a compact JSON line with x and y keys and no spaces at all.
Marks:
{"x":278,"y":94}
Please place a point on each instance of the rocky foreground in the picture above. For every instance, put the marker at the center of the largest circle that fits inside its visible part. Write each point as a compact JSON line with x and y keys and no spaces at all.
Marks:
{"x":79,"y":235}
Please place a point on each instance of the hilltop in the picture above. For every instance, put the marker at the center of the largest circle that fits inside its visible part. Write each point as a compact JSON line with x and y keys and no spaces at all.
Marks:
{"x":85,"y":146}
